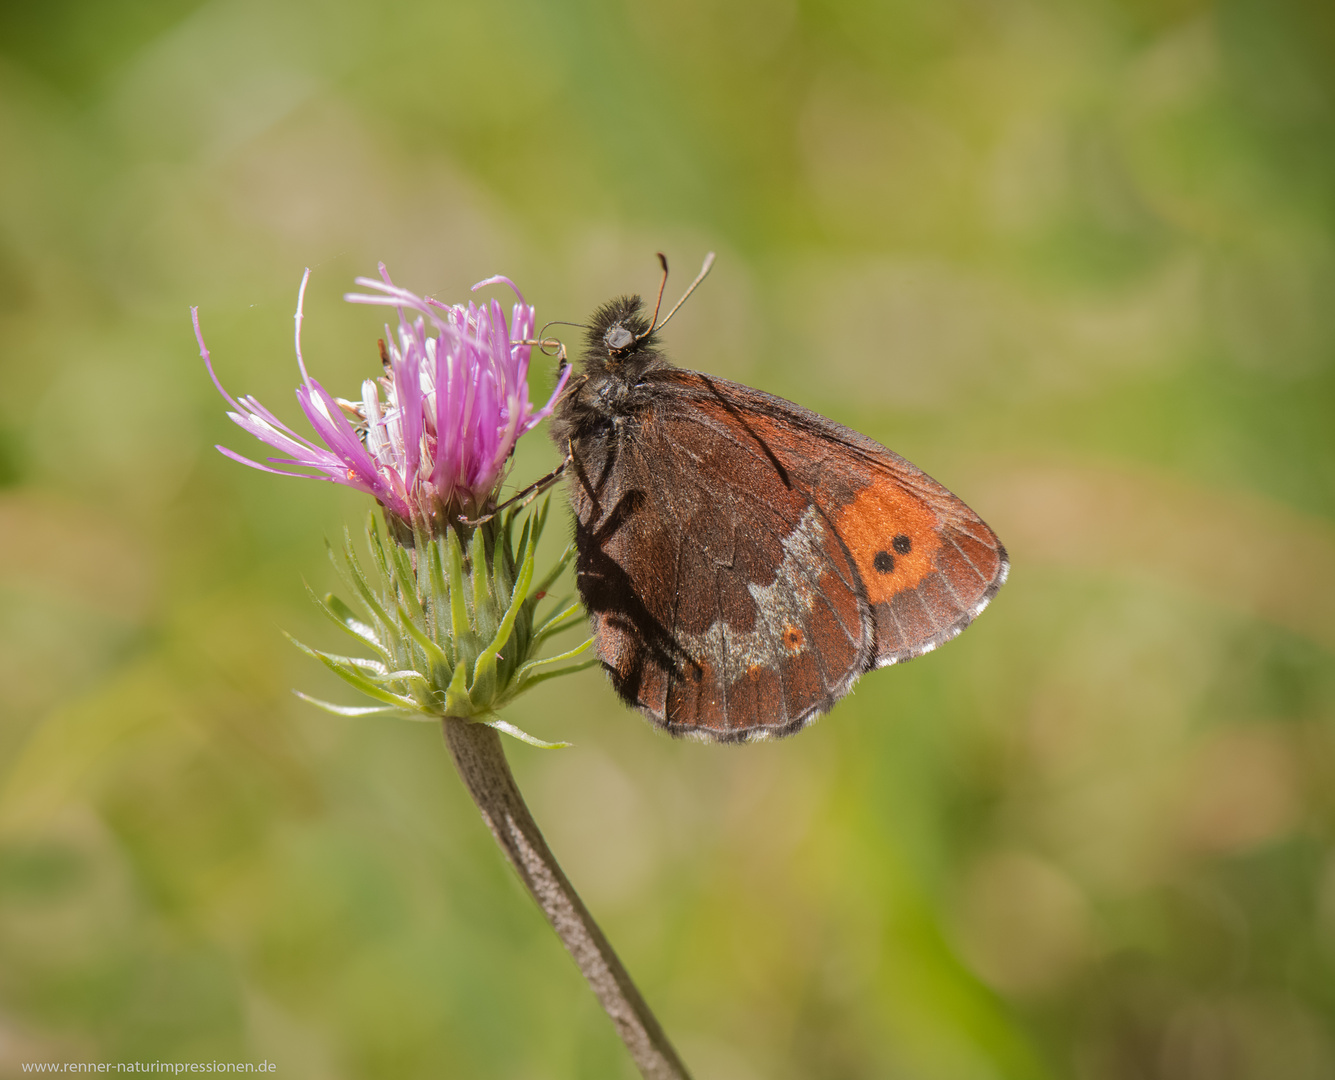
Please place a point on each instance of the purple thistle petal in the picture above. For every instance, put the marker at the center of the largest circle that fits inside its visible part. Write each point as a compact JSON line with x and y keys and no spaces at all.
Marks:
{"x":265,"y":468}
{"x":456,"y":402}
{"x":497,"y":279}
{"x":297,"y":319}
{"x":208,"y":363}
{"x":486,"y":438}
{"x":536,"y":418}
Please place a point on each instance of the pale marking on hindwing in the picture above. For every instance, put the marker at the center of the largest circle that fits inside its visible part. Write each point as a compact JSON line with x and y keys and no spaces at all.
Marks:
{"x":786,"y":602}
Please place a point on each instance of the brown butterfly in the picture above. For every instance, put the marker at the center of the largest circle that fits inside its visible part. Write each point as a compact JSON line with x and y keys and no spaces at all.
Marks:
{"x":743,"y":559}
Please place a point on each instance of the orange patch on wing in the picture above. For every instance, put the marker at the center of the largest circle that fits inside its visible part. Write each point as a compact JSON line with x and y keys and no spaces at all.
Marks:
{"x":869,"y":526}
{"x":792,"y":639}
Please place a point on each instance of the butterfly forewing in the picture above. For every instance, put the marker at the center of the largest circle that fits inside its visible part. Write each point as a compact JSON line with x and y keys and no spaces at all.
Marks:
{"x":748,"y":618}
{"x":926,"y":564}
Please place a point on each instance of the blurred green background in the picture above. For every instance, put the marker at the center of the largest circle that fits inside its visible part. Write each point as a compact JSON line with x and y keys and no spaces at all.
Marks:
{"x":1075,"y":260}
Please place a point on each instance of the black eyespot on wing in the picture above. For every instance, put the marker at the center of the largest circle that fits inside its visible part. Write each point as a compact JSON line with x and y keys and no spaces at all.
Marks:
{"x":884,"y":562}
{"x":902,"y":544}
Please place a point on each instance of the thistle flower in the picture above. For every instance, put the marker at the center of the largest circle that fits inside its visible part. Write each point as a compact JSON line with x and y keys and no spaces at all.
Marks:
{"x":450,"y":608}
{"x":456,"y":402}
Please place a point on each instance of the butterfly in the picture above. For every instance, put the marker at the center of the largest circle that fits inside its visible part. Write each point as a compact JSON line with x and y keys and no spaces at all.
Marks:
{"x":744,"y":560}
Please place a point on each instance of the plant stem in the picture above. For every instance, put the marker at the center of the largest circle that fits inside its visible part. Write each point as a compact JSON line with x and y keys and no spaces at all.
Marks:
{"x":476,"y":749}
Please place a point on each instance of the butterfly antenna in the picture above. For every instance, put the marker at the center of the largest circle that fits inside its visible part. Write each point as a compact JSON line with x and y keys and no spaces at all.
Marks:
{"x":545,"y":343}
{"x":560,"y":322}
{"x":662,"y":284}
{"x":704,"y":270}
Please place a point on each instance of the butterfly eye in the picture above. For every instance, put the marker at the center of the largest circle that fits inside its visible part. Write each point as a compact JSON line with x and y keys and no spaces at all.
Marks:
{"x":618,"y":338}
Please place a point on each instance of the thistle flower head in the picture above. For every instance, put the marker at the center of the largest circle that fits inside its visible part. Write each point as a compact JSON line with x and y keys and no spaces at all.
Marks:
{"x":456,"y":400}
{"x":450,"y":607}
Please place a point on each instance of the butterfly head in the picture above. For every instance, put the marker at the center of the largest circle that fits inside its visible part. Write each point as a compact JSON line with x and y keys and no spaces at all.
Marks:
{"x":619,"y":342}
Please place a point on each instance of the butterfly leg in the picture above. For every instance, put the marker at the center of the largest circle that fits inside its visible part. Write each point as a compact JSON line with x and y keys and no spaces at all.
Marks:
{"x":529,"y":493}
